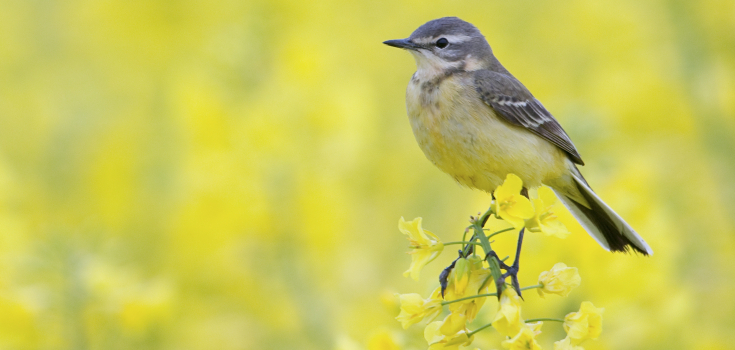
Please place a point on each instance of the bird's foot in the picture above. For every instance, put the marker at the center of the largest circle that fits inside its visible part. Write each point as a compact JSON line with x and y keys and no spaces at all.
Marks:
{"x":510,"y":270}
{"x":444,"y":275}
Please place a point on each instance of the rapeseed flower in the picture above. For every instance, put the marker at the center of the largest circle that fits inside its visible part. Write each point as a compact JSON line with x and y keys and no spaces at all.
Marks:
{"x":476,"y":283}
{"x":414,"y":308}
{"x":525,"y":339}
{"x":584,"y":324}
{"x":508,"y":319}
{"x":510,"y":204}
{"x":544,"y":220}
{"x":559,"y":280}
{"x":461,"y":275}
{"x":425,"y":245}
{"x":453,"y":323}
{"x":566,"y":344}
{"x":439,"y":341}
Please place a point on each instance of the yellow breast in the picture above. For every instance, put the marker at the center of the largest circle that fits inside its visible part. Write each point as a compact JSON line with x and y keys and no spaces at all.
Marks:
{"x":464,"y":138}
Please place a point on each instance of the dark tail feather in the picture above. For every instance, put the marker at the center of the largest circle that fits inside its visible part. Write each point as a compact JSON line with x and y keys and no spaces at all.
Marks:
{"x":616,"y":241}
{"x":603,"y":224}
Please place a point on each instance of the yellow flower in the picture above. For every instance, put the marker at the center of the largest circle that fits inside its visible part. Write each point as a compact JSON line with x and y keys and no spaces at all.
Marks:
{"x":559,"y":280}
{"x":584,"y":324}
{"x":524,"y":340}
{"x":414,"y":308}
{"x":566,"y":344}
{"x":461,"y":275}
{"x":453,"y":323}
{"x":438,"y":341}
{"x":544,"y":220}
{"x":509,"y":204}
{"x":508,"y":318}
{"x":476,"y":283}
{"x":426,"y":245}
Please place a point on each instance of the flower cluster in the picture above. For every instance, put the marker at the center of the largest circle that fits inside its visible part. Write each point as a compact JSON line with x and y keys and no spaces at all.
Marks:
{"x":467,"y":284}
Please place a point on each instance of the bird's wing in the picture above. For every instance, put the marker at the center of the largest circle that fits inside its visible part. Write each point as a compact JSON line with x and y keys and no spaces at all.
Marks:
{"x":511,"y":100}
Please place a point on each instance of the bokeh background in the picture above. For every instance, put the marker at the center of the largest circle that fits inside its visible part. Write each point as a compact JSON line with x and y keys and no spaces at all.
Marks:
{"x":230,"y":174}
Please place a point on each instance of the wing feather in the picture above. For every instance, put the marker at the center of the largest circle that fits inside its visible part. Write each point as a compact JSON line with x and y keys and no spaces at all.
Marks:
{"x":512,"y":101}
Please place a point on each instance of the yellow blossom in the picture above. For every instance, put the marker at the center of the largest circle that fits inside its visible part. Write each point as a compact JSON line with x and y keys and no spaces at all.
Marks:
{"x":453,"y":323}
{"x":584,"y":324}
{"x":461,"y":275}
{"x":508,"y":318}
{"x":425,"y":245}
{"x":524,"y":340}
{"x":559,"y":280}
{"x":414,"y":308}
{"x":510,"y":204}
{"x":566,"y":344}
{"x":477,"y":283}
{"x":544,"y":220}
{"x":439,"y":341}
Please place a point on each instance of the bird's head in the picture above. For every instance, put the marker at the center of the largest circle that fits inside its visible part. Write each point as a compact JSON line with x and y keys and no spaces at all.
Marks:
{"x":447,"y":43}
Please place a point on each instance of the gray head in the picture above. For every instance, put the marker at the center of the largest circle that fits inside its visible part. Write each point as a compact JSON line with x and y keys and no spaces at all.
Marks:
{"x":448,"y":43}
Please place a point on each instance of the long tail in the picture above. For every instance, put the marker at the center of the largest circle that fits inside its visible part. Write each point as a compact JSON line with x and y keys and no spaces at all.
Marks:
{"x":602,"y":223}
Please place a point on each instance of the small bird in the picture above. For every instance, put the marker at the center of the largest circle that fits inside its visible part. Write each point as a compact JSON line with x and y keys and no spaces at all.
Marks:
{"x":476,"y":122}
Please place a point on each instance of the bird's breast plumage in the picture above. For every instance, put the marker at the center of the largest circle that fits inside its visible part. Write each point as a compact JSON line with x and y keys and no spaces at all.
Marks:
{"x":464,"y":138}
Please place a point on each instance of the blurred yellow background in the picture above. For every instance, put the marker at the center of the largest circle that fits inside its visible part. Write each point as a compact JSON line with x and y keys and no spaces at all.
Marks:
{"x":230,"y":174}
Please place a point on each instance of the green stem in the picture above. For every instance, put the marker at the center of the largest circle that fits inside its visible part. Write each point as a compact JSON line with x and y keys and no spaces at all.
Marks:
{"x":462,"y":242}
{"x":479,"y":329}
{"x":544,"y":319}
{"x":493,"y":263}
{"x":464,"y":235}
{"x":467,"y":298}
{"x":499,"y":232}
{"x":494,"y":266}
{"x":480,"y":233}
{"x":532,"y":287}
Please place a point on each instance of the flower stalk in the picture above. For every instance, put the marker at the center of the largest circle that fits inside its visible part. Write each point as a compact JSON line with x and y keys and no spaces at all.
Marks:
{"x":464,"y":284}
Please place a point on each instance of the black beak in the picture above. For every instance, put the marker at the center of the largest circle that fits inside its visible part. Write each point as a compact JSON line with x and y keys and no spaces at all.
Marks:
{"x":402,"y":44}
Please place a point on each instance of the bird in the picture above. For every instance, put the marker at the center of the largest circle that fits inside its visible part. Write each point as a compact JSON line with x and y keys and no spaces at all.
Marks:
{"x":476,"y":122}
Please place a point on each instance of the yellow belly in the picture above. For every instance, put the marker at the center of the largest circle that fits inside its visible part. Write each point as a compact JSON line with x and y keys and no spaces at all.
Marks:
{"x":465,"y":139}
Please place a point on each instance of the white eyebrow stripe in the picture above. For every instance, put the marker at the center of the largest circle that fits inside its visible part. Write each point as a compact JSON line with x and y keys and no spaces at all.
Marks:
{"x":453,"y":39}
{"x":457,"y":38}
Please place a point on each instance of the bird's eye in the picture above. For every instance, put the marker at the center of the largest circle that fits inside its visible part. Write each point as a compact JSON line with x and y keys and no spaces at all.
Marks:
{"x":442,"y":43}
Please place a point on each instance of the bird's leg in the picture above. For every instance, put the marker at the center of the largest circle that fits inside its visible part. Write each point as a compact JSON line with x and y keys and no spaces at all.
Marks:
{"x":444,"y":275}
{"x":512,"y":271}
{"x":492,"y":258}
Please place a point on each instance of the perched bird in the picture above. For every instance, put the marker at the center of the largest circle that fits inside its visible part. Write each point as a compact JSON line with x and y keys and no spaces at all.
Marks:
{"x":476,"y":122}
